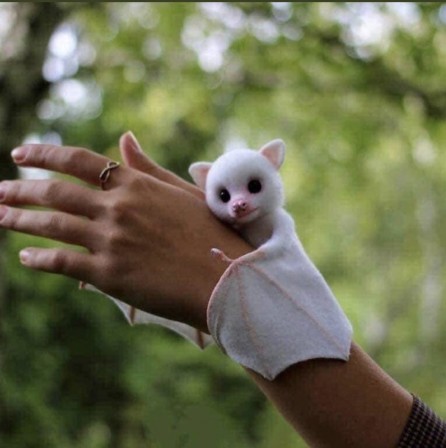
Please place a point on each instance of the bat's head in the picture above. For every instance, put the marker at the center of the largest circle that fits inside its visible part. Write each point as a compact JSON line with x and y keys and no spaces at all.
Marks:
{"x":242,"y":185}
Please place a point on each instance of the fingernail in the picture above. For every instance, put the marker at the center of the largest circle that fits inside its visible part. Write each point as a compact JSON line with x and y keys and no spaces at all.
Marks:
{"x":3,"y":211}
{"x":136,"y":146}
{"x":24,"y":256}
{"x":19,"y":154}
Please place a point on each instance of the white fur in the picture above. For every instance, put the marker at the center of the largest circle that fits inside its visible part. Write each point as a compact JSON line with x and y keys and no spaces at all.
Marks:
{"x":232,"y":171}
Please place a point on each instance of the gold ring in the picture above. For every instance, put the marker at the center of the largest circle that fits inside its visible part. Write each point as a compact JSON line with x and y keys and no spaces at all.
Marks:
{"x":105,"y":173}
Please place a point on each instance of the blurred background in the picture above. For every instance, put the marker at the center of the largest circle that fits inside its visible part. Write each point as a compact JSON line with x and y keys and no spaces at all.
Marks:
{"x":358,"y":93}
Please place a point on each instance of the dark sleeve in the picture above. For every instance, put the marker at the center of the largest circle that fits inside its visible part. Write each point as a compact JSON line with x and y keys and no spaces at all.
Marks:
{"x":423,"y":429}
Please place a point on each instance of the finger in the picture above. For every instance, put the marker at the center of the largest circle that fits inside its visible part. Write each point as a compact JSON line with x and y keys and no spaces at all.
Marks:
{"x":74,"y":264}
{"x":78,"y":162}
{"x":54,"y":225}
{"x":63,"y":196}
{"x":133,"y":156}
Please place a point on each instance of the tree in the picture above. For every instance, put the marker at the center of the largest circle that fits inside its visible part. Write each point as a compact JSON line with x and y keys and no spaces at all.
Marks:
{"x":357,"y":92}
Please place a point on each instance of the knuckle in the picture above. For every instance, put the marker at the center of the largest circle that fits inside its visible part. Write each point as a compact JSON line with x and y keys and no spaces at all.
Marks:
{"x":50,"y":191}
{"x":100,"y":208}
{"x":57,"y":262}
{"x":73,"y":156}
{"x":8,"y":190}
{"x":42,"y":155}
{"x":110,"y":268}
{"x":118,"y":210}
{"x":54,"y":224}
{"x":6,"y":218}
{"x":137,"y":183}
{"x":19,"y":218}
{"x":114,"y":239}
{"x":95,"y":209}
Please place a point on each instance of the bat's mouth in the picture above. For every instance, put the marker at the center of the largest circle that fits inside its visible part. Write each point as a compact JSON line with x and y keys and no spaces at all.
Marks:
{"x":242,"y":215}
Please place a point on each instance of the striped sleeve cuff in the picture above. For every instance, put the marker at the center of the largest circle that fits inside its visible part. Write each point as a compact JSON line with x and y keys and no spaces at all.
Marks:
{"x":423,"y":429}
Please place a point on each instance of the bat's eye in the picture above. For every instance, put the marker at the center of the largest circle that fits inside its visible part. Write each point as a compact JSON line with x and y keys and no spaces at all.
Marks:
{"x":224,"y":195}
{"x":254,"y":186}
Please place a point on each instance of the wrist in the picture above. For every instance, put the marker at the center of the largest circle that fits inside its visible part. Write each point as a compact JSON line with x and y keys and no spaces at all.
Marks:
{"x":210,"y":270}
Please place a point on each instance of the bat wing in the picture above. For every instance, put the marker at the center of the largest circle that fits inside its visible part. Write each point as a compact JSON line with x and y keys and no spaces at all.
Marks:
{"x":136,"y":316}
{"x":272,"y":310}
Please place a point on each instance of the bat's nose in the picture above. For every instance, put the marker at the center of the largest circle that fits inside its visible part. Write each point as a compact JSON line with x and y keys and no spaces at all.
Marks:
{"x":239,"y":206}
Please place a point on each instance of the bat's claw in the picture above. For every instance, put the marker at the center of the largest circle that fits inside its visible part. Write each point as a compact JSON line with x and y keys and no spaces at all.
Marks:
{"x":220,"y":255}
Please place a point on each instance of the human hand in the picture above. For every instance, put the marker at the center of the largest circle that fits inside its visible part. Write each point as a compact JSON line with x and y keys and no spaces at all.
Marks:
{"x":147,"y":237}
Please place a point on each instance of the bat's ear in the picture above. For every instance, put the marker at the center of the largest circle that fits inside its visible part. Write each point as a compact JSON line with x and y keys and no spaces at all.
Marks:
{"x":199,"y":173}
{"x":274,"y":151}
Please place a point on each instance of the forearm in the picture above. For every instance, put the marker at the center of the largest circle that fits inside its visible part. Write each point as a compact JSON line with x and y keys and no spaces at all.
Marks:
{"x":333,"y":403}
{"x":338,"y":404}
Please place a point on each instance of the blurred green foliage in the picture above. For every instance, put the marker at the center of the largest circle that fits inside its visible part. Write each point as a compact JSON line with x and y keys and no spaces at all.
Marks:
{"x":356,"y":90}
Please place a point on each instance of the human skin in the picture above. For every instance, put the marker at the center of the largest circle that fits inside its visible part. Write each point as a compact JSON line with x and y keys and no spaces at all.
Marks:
{"x":137,"y":236}
{"x":149,"y":228}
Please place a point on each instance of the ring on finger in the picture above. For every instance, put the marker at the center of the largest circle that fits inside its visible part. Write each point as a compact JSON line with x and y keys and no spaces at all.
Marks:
{"x":105,"y":173}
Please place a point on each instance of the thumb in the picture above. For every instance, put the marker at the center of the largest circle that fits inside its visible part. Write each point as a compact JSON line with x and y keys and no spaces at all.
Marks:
{"x":133,"y":156}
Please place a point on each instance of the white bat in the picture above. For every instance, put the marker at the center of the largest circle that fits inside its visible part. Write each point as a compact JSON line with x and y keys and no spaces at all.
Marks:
{"x":272,"y":307}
